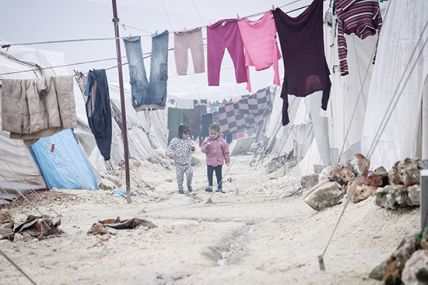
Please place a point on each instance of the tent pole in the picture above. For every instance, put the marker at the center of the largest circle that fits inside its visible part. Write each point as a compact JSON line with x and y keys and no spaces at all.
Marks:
{"x":122,"y":101}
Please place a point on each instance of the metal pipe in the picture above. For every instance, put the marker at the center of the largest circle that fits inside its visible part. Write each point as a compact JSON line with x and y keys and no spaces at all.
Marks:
{"x":122,"y":101}
{"x":424,"y":198}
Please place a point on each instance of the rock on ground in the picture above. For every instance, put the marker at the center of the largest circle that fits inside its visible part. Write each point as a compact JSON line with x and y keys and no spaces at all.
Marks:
{"x":324,"y":195}
{"x":416,"y":269}
{"x":397,"y":196}
{"x":276,"y":164}
{"x":377,"y":272}
{"x":5,"y":216}
{"x":106,"y":184}
{"x":309,"y":181}
{"x":379,"y":177}
{"x":358,"y":191}
{"x":338,"y":173}
{"x":396,"y":262}
{"x":414,"y":193}
{"x":360,"y":165}
{"x":406,"y":172}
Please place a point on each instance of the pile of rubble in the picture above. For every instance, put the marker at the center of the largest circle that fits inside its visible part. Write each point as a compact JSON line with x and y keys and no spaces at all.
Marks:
{"x":40,"y":227}
{"x":395,"y":189}
{"x":103,"y":227}
{"x":408,"y":264}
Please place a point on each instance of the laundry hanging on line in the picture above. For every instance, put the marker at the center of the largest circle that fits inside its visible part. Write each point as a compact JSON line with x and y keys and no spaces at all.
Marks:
{"x":148,"y":94}
{"x":260,"y":45}
{"x":245,"y":114}
{"x":222,"y":35}
{"x":183,"y":41}
{"x":362,"y":18}
{"x":98,"y":110}
{"x":305,"y":65}
{"x":36,"y":108}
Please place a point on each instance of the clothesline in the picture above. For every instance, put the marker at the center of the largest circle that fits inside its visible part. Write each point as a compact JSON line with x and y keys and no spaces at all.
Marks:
{"x":136,"y":28}
{"x":147,"y":55}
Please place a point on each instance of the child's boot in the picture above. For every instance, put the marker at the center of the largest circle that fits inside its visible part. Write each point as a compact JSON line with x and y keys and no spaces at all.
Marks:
{"x":180,"y":190}
{"x":209,"y":189}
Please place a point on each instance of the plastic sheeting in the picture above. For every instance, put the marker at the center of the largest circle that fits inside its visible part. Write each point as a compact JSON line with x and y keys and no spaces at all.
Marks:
{"x":63,"y":163}
{"x":348,"y":100}
{"x":147,"y":130}
{"x":394,"y":103}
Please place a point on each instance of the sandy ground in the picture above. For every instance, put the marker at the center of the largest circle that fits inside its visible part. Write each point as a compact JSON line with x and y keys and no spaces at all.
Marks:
{"x":253,"y":234}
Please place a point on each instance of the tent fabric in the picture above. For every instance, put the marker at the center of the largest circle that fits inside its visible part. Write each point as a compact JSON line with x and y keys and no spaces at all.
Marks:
{"x":175,"y":118}
{"x":385,"y":143}
{"x":147,"y":130}
{"x":349,"y":94}
{"x":63,"y":163}
{"x":18,"y":172}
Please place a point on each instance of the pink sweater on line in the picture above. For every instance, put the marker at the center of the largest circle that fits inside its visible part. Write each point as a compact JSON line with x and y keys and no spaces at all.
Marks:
{"x":260,"y":45}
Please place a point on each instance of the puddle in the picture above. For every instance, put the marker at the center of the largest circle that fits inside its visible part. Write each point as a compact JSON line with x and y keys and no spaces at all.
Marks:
{"x":233,"y":249}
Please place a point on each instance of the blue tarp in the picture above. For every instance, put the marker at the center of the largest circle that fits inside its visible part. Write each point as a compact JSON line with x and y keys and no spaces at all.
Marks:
{"x":63,"y":163}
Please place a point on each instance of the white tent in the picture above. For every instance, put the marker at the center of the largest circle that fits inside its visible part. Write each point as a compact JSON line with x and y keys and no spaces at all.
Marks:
{"x":393,"y":117}
{"x":147,"y":130}
{"x":360,"y":100}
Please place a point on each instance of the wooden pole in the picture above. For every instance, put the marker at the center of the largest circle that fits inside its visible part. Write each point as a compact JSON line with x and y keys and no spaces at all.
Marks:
{"x":122,"y":101}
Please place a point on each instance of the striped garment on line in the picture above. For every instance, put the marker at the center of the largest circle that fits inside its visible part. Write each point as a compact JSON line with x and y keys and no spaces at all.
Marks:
{"x":359,"y":17}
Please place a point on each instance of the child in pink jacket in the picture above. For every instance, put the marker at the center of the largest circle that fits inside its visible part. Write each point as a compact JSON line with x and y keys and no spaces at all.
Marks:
{"x":217,"y":153}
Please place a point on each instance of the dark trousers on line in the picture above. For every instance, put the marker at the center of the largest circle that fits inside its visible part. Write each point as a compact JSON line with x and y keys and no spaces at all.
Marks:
{"x":210,"y":171}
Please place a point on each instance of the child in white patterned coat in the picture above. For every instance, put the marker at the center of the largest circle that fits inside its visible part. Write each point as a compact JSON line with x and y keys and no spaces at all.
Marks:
{"x":180,"y":149}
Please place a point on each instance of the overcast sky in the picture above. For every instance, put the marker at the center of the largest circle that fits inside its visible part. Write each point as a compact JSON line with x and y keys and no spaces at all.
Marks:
{"x":45,"y":20}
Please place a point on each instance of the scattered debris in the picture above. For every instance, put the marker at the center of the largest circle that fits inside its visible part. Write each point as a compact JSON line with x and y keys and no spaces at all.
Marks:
{"x":276,"y":163}
{"x":106,"y":184}
{"x":39,"y":227}
{"x":296,"y":191}
{"x":98,"y":229}
{"x":6,"y":231}
{"x":114,"y":179}
{"x":120,"y":192}
{"x":324,"y":195}
{"x":5,"y":216}
{"x":101,"y":227}
{"x":102,"y":241}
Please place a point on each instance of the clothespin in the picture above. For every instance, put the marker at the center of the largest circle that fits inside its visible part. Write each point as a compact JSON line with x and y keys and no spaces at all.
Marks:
{"x":273,"y":7}
{"x":237,"y":16}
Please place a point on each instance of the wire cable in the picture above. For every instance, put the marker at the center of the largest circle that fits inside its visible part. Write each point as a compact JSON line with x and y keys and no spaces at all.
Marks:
{"x":7,"y":45}
{"x":17,"y":267}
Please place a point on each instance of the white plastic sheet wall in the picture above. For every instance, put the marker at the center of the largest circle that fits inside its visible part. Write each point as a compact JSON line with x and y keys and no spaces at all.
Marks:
{"x":404,"y":31}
